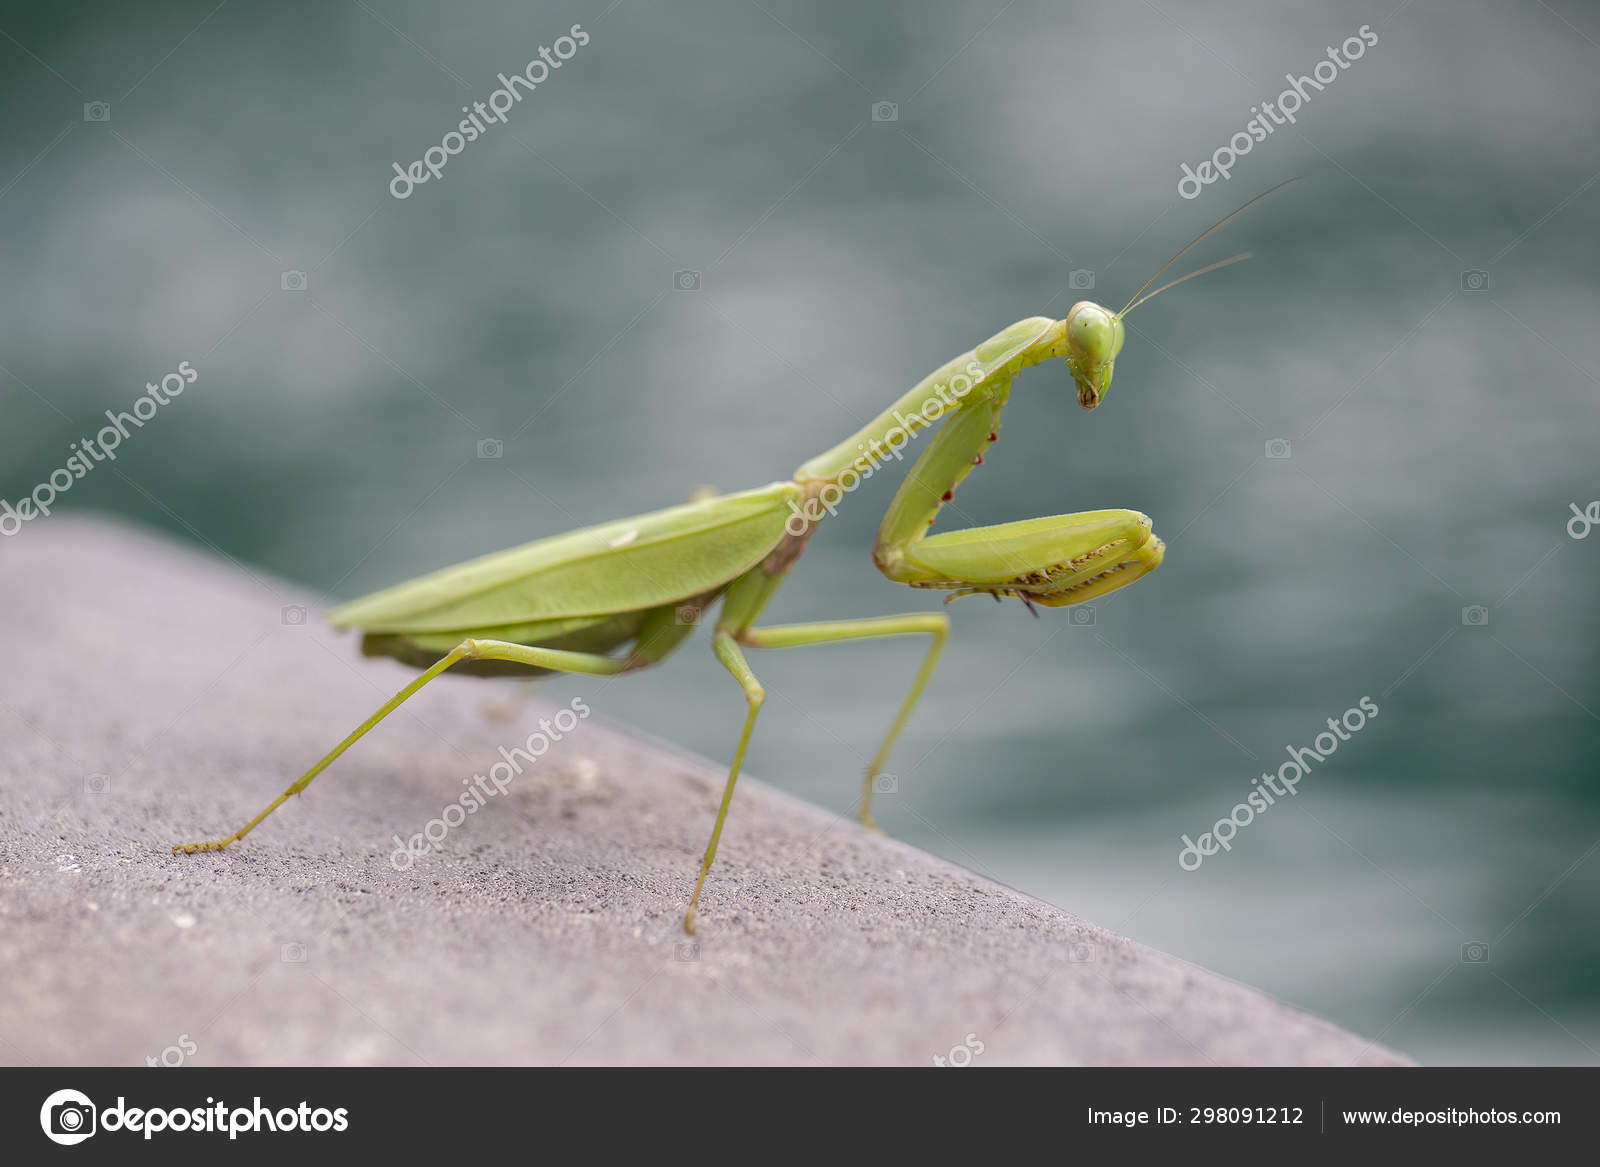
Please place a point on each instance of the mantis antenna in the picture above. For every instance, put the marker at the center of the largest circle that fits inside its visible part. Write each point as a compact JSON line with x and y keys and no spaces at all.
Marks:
{"x":1134,"y":301}
{"x":1240,"y":258}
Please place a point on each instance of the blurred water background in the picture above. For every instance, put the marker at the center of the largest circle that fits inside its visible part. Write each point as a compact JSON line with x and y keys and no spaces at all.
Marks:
{"x":1417,"y":334}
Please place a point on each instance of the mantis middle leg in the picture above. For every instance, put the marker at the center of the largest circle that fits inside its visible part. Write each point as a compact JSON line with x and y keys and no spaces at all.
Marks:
{"x":935,"y":625}
{"x":734,"y":633}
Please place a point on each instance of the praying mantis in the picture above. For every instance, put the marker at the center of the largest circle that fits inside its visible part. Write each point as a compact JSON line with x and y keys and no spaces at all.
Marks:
{"x":621,"y":596}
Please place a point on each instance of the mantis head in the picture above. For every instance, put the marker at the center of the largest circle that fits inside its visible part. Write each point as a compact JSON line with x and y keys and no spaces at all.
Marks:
{"x":1094,"y":338}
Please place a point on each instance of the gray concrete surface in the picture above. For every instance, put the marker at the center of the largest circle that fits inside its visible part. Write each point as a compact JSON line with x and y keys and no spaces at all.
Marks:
{"x":153,"y":695}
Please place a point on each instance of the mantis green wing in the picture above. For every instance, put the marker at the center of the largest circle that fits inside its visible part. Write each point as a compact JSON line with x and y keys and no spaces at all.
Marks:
{"x":627,"y":565}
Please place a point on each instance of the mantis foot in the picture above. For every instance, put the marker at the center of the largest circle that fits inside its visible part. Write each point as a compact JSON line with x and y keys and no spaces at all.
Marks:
{"x":191,"y":848}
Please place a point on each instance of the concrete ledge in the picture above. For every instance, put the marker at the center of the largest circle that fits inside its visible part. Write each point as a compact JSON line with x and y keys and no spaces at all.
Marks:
{"x":547,"y":928}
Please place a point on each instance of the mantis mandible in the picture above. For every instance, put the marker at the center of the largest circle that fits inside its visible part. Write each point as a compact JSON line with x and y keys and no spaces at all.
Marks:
{"x":569,"y":603}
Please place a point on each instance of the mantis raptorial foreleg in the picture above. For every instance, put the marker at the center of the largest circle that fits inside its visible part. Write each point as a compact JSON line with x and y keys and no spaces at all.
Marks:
{"x":1054,"y":560}
{"x":546,"y":658}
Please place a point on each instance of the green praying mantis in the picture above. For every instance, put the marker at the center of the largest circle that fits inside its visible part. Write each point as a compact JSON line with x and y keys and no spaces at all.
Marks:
{"x":621,"y":596}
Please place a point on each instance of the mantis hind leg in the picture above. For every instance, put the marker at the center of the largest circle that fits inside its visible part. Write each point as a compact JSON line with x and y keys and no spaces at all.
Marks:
{"x":486,"y":650}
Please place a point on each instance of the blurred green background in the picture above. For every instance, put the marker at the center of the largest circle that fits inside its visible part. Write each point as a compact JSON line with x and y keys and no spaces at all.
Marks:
{"x":1438,"y":425}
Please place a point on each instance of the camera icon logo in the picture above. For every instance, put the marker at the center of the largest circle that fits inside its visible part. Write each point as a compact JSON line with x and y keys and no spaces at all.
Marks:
{"x":686,"y":951}
{"x":1080,"y":279}
{"x":68,"y":1117}
{"x":886,"y":784}
{"x":97,"y":111}
{"x":1475,"y":280}
{"x":688,"y":613}
{"x":293,"y":281}
{"x":1475,"y":616}
{"x":885,"y":111}
{"x":1279,"y":448}
{"x":491,"y":448}
{"x":686,"y":280}
{"x":1081,"y":952}
{"x":96,"y":784}
{"x":1475,"y":952}
{"x":293,"y":616}
{"x":1082,"y":616}
{"x":292,"y":953}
